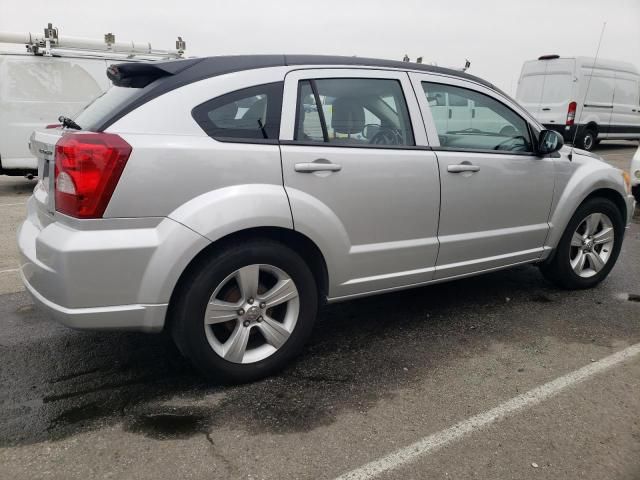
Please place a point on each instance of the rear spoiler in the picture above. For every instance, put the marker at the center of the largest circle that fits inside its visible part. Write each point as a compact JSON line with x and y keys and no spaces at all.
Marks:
{"x":139,"y":75}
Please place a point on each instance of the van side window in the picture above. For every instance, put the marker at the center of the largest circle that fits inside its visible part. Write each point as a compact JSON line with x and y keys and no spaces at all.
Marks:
{"x":353,"y":111}
{"x":469,"y":120}
{"x":251,"y":114}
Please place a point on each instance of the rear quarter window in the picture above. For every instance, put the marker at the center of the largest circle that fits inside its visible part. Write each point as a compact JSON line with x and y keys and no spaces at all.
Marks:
{"x":248,"y":115}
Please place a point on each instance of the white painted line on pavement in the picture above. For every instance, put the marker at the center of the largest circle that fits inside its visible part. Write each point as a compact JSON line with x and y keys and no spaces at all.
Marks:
{"x":10,"y":270}
{"x":12,"y":204}
{"x":444,"y":437}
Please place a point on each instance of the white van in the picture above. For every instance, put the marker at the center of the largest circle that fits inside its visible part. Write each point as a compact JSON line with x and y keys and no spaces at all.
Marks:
{"x":600,"y":99}
{"x":53,"y":77}
{"x":34,"y":92}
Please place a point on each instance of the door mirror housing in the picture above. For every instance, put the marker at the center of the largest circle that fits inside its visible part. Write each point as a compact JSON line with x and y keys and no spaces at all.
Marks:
{"x":550,"y":141}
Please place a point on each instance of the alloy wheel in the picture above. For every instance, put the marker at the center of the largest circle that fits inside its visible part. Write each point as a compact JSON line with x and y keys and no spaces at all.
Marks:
{"x":252,"y":313}
{"x":591,"y":245}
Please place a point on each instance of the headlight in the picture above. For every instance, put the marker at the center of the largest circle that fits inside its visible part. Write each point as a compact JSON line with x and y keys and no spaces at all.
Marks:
{"x":627,"y":181}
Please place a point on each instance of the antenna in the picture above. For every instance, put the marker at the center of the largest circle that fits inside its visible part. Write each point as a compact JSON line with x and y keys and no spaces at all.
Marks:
{"x":586,"y":93}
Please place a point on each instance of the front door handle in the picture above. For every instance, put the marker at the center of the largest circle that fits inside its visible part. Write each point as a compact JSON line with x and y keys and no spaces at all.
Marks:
{"x":317,"y":166}
{"x":463,"y":167}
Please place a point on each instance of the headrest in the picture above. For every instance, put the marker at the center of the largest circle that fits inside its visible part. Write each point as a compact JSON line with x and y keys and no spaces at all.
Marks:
{"x":347,"y":116}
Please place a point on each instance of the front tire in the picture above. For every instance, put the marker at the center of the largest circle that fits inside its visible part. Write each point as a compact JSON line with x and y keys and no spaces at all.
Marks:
{"x":589,"y":247}
{"x":244,"y":312}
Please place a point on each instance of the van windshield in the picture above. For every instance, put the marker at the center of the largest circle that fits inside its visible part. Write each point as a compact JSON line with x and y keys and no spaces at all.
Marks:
{"x":550,"y":88}
{"x":96,"y":112}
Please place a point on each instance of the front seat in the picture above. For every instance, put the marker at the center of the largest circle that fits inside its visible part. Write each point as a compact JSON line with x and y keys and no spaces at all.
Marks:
{"x":347,"y":117}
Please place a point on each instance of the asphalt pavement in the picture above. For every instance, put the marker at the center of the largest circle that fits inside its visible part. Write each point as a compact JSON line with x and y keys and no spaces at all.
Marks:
{"x":413,"y":368}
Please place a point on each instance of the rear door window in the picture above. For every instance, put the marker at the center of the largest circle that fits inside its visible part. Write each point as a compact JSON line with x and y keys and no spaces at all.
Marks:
{"x":353,"y":111}
{"x":249,"y":115}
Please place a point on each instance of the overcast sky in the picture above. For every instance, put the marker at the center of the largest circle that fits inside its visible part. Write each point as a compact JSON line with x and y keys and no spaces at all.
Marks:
{"x":496,"y":35}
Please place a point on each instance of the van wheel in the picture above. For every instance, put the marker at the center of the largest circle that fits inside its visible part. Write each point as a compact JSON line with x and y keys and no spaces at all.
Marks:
{"x":587,"y":140}
{"x":245,"y":311}
{"x":589,"y":247}
{"x":636,"y":192}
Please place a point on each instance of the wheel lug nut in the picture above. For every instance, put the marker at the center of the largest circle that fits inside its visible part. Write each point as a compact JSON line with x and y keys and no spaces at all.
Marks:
{"x":250,"y":301}
{"x":262,"y":305}
{"x":259,"y":319}
{"x":241,"y":311}
{"x":246,"y":323}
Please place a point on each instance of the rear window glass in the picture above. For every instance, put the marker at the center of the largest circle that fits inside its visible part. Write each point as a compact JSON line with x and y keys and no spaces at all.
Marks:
{"x":553,"y":88}
{"x":49,"y":80}
{"x":250,"y":114}
{"x":98,"y":111}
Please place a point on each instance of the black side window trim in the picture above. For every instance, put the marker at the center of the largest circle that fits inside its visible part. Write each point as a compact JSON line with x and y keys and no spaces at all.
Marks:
{"x":274,"y":92}
{"x":478,"y":150}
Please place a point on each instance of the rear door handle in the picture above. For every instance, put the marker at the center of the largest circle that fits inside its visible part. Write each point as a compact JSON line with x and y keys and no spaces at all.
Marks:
{"x":463,"y":167}
{"x":317,"y":166}
{"x":546,"y":109}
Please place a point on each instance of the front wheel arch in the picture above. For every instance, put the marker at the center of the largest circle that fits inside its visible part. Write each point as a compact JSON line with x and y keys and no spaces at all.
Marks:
{"x":607,"y":193}
{"x":557,"y":269}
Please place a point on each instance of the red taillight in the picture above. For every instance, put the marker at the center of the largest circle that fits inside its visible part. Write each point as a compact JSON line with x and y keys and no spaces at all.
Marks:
{"x":88,"y":166}
{"x":571,"y":113}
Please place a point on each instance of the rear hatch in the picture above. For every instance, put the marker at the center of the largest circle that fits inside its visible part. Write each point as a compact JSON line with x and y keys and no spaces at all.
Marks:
{"x":43,"y":143}
{"x":133,"y":84}
{"x":546,"y":89}
{"x":43,"y":147}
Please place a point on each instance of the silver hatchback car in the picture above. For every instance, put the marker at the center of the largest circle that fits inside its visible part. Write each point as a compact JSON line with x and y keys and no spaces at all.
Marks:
{"x":225,"y":199}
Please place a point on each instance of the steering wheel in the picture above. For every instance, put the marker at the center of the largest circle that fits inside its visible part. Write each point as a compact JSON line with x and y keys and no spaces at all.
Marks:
{"x":511,"y":139}
{"x":386,"y":136}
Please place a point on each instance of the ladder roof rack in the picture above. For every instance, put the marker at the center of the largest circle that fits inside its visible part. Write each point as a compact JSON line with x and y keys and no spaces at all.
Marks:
{"x":52,"y":43}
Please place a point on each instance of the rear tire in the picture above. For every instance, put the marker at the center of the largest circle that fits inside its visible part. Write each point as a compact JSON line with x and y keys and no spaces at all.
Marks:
{"x":563,"y":269}
{"x":587,"y":140}
{"x":270,"y":337}
{"x":636,"y":192}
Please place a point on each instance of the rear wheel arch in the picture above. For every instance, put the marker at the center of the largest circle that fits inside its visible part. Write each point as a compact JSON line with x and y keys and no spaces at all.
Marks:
{"x":593,"y":127}
{"x":298,"y":242}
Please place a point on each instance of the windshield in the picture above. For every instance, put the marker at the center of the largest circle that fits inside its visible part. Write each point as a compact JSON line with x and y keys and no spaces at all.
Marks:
{"x":96,"y":112}
{"x":550,"y":88}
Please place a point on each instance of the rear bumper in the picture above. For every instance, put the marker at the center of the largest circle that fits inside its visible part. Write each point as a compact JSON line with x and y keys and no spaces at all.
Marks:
{"x":97,"y":278}
{"x":146,"y":318}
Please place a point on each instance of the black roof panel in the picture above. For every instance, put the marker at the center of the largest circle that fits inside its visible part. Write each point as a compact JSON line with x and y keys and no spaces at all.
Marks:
{"x":177,"y":73}
{"x":200,"y":68}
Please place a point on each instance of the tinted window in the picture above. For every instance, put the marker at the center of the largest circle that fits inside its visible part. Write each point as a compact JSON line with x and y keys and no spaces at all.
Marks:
{"x":354,"y":111}
{"x":99,"y":110}
{"x":250,"y":114}
{"x":486,"y":125}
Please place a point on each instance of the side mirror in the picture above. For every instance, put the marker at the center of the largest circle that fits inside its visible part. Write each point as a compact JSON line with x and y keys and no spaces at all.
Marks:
{"x":550,"y":141}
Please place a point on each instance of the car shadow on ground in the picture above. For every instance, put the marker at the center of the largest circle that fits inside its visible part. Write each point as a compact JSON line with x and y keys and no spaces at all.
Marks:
{"x":58,"y":382}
